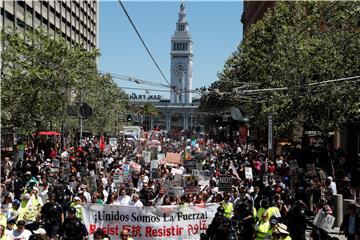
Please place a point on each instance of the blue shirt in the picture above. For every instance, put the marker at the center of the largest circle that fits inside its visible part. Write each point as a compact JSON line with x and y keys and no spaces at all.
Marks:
{"x":351,"y":228}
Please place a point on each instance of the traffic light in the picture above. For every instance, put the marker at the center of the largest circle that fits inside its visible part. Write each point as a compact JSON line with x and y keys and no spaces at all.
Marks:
{"x":128,"y":118}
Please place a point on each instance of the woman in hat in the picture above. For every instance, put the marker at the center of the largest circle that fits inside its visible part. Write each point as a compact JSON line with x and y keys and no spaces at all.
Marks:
{"x":280,"y":234}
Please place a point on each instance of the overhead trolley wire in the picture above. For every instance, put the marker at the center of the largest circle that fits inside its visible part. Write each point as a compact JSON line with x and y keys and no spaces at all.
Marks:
{"x":142,"y":41}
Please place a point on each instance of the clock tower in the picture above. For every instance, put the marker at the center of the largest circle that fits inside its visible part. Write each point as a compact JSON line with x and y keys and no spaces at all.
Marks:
{"x":181,"y":61}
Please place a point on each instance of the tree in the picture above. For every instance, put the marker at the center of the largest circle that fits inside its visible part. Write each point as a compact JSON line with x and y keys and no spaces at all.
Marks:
{"x":43,"y":75}
{"x":298,"y":45}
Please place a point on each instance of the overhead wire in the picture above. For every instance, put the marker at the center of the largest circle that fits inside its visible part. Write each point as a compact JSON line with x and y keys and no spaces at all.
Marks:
{"x":143,"y":42}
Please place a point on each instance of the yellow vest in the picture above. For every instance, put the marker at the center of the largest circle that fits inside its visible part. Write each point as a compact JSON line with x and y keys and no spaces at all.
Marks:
{"x":260,"y":213}
{"x":228,"y":209}
{"x":273,"y":211}
{"x":3,"y":220}
{"x":79,"y":210}
{"x":254,"y":213}
{"x":263,"y":230}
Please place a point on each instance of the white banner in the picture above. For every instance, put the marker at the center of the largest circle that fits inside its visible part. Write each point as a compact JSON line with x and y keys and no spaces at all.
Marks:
{"x":170,"y":222}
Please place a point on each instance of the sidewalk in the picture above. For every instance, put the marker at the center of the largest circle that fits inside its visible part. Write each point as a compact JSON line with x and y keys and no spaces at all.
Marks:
{"x":333,"y":233}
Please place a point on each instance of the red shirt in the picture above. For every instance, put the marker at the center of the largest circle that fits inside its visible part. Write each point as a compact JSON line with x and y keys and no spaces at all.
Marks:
{"x":271,"y":169}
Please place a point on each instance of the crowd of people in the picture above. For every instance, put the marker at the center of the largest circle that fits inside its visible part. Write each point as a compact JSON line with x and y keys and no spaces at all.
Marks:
{"x":42,"y":193}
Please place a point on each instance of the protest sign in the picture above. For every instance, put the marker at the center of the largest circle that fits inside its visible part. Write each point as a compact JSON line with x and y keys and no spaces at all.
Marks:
{"x":248,"y":173}
{"x":135,"y":167}
{"x":147,"y":156}
{"x":189,"y":165}
{"x":91,"y":184}
{"x":177,"y":180}
{"x":164,"y":222}
{"x":225,"y":183}
{"x":160,"y":156}
{"x":117,"y":178}
{"x":173,"y":158}
{"x":169,"y":188}
{"x":176,"y":171}
{"x":113,"y":143}
{"x":191,"y":184}
{"x":324,"y":220}
{"x":203,"y":176}
{"x":178,"y":191}
{"x":154,"y":164}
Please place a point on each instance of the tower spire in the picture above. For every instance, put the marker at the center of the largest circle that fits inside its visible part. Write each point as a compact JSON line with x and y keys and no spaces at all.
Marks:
{"x":181,"y":61}
{"x":182,"y":14}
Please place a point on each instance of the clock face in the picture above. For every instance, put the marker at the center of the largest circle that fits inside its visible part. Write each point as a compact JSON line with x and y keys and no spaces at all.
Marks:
{"x":179,"y":69}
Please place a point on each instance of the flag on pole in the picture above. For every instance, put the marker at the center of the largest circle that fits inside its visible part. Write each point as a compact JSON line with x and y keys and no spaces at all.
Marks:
{"x":102,"y":143}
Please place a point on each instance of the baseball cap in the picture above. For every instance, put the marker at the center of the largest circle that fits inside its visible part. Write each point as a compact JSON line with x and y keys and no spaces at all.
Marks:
{"x":72,"y":210}
{"x":40,"y":231}
{"x":274,"y":221}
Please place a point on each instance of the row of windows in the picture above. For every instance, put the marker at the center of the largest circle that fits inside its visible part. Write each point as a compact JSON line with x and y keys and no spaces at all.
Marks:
{"x":64,"y":20}
{"x":180,"y":46}
{"x":74,"y":15}
{"x":180,"y":56}
{"x":22,"y":24}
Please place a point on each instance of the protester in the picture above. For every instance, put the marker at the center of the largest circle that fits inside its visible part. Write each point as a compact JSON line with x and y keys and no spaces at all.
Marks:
{"x":350,"y":225}
{"x":20,"y":233}
{"x":73,"y":228}
{"x":83,"y":173}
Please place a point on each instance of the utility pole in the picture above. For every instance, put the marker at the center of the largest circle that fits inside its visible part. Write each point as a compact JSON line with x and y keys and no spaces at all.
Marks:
{"x":270,"y":136}
{"x":81,"y":118}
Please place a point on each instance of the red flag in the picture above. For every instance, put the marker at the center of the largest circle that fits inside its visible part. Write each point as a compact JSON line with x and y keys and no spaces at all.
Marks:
{"x":102,"y":143}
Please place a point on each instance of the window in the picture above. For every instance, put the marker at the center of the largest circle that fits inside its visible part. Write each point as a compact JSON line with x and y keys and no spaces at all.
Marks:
{"x":181,"y":28}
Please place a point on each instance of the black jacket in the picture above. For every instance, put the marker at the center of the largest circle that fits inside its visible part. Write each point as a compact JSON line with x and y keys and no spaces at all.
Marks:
{"x":345,"y":224}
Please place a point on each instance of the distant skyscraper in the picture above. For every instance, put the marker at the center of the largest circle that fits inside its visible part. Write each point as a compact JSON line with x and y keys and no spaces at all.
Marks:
{"x":76,"y":21}
{"x":181,"y":61}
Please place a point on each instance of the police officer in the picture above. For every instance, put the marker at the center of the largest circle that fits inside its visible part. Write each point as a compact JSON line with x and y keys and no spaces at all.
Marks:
{"x":52,"y":216}
{"x":73,"y":228}
{"x":245,"y":218}
{"x":214,"y":230}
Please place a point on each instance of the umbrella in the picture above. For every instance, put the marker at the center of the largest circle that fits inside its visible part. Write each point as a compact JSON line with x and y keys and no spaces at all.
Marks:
{"x":49,"y":133}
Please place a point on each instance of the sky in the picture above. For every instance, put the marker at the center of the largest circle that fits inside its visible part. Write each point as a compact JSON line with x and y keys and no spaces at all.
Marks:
{"x":215,"y":27}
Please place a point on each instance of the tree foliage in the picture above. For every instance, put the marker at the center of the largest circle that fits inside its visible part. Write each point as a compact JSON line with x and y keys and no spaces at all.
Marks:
{"x":298,"y":45}
{"x":43,"y":75}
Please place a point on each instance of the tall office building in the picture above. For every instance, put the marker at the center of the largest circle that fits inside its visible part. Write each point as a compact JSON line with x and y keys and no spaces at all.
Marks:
{"x":76,"y":20}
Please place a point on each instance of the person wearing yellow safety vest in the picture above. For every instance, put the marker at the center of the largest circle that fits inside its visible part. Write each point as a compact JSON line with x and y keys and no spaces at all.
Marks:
{"x":27,"y":209}
{"x":228,"y":207}
{"x":79,"y":208}
{"x":262,"y":229}
{"x":264,"y":205}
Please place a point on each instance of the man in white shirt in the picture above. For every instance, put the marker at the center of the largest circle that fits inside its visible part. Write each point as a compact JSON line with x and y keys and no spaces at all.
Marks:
{"x":143,"y":179}
{"x":21,"y":233}
{"x":123,"y":199}
{"x":136,"y":201}
{"x":332,"y":185}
